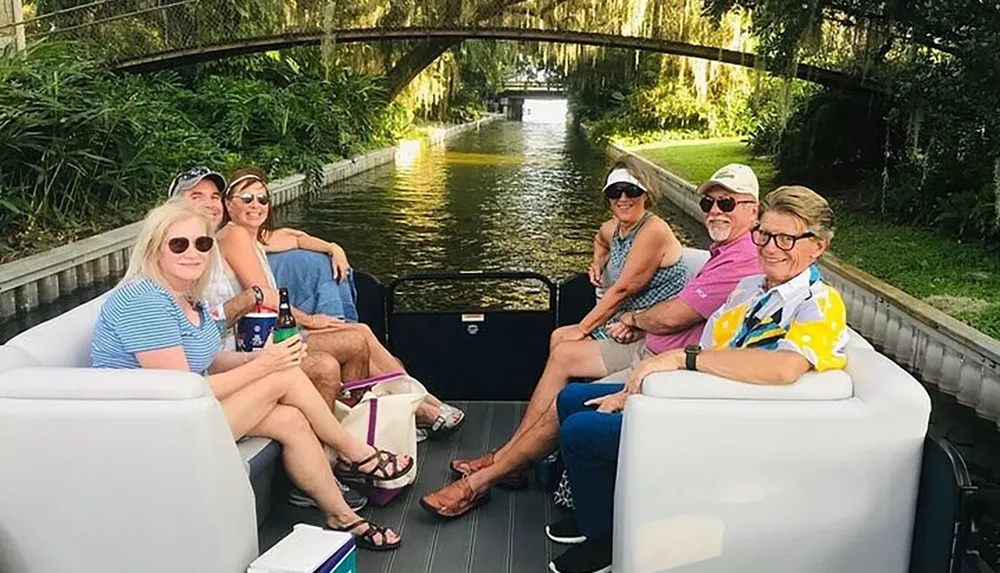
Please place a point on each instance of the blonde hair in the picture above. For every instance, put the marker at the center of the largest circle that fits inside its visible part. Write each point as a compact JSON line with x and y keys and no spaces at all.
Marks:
{"x":638,"y":170}
{"x":804,"y":204}
{"x":145,"y":260}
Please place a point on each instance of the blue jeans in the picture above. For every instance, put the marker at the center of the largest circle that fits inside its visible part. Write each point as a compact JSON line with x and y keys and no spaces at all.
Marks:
{"x":308,"y":275}
{"x":589,"y":442}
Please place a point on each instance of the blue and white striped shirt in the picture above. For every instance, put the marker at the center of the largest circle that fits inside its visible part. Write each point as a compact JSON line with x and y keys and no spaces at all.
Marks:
{"x":141,"y":316}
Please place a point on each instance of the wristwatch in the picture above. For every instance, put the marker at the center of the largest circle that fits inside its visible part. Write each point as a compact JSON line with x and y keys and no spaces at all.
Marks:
{"x":691,"y":353}
{"x":258,"y":295}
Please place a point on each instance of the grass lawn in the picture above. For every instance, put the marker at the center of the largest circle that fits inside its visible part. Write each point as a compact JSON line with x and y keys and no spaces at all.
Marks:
{"x":961,"y":279}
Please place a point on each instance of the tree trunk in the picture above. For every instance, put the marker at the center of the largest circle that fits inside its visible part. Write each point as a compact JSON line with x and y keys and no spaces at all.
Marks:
{"x":427,"y":51}
{"x":415,"y":62}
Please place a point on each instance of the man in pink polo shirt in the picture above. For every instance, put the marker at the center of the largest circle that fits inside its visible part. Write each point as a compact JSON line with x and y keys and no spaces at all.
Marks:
{"x":729,"y":203}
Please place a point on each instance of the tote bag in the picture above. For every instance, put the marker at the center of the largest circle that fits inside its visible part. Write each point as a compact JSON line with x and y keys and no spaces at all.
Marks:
{"x":381,"y":411}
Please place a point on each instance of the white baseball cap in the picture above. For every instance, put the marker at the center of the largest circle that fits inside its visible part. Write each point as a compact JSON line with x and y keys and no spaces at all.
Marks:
{"x":621,"y":175}
{"x":735,"y":177}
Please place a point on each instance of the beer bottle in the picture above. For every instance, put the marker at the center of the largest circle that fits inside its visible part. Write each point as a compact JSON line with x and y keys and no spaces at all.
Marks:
{"x":284,"y":327}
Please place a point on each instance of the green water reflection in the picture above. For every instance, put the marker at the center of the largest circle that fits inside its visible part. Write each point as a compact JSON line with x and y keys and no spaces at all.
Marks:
{"x":511,"y":196}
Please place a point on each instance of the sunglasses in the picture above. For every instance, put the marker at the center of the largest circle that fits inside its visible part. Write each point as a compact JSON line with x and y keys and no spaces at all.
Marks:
{"x":618,"y":189}
{"x":248,"y":198}
{"x":783,"y":241}
{"x":180,"y":245}
{"x":183,"y":181}
{"x":726,"y":204}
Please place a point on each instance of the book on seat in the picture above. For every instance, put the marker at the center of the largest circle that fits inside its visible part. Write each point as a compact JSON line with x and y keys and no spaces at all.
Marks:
{"x":308,"y":549}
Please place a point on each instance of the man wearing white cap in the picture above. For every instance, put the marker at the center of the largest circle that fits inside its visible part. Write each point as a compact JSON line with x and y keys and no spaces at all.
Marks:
{"x":590,"y":450}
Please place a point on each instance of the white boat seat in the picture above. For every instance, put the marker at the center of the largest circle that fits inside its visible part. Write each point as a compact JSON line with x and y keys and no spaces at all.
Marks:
{"x":695,"y":259}
{"x":144,"y":458}
{"x":257,"y":452}
{"x":65,"y":342}
{"x":832,"y":385}
{"x":261,"y":457}
{"x":821,"y":475}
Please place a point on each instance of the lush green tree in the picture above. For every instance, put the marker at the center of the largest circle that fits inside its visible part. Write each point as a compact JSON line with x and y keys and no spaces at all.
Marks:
{"x":83,"y":149}
{"x":932,"y":144}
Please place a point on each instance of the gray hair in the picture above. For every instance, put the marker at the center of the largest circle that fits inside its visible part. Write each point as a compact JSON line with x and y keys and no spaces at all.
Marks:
{"x":804,"y":204}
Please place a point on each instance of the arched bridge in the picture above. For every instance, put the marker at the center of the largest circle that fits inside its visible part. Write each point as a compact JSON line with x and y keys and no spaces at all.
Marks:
{"x":174,"y":58}
{"x":144,"y":35}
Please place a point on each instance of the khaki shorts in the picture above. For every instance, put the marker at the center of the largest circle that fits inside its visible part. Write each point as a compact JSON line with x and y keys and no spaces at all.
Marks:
{"x":619,"y":358}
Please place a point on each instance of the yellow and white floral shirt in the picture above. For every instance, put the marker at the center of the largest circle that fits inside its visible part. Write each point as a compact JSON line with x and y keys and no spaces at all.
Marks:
{"x":803,"y":315}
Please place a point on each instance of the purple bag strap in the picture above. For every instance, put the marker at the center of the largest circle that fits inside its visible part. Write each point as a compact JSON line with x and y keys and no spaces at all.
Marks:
{"x":372,"y":404}
{"x":372,"y":415}
{"x":371,"y":381}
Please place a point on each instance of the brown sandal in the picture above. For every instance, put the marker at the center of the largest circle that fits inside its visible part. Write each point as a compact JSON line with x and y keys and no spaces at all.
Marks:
{"x":366,"y":540}
{"x":474,"y":464}
{"x":515,"y":480}
{"x":443,"y":505}
{"x":351,"y":471}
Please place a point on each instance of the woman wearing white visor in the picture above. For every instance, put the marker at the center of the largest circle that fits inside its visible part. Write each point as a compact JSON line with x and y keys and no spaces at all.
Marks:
{"x":637,"y":258}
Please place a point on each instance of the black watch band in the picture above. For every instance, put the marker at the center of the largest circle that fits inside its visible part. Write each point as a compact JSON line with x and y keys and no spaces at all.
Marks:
{"x":258,"y":295}
{"x":691,"y":353}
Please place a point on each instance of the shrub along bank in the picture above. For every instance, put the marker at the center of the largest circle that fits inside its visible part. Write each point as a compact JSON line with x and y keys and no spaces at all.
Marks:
{"x":84,"y":150}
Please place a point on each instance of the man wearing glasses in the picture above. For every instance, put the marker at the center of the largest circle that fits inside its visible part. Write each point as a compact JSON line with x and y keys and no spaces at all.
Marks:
{"x":729,"y":203}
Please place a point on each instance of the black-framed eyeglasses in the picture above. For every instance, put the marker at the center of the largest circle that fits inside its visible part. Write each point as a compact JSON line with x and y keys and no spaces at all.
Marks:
{"x":179,"y":245}
{"x":248,"y":198}
{"x":783,"y":241}
{"x":726,"y":204}
{"x":616,"y":190}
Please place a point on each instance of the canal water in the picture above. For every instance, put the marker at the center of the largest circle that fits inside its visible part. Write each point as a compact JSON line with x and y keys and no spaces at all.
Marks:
{"x":510,"y":196}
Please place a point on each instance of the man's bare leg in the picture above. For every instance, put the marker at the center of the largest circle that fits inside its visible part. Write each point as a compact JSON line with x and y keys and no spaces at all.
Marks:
{"x":348,"y":346}
{"x":324,"y":372}
{"x":378,"y":359}
{"x":381,"y":361}
{"x":532,"y":444}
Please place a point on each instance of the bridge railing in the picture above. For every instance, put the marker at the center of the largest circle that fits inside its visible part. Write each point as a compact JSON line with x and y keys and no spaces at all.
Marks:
{"x":524,"y":86}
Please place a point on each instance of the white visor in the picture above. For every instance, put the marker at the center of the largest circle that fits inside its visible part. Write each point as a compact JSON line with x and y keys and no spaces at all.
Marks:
{"x":622,"y":175}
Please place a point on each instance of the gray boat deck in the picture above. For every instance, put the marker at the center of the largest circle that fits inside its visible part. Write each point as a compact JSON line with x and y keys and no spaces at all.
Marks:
{"x":505,"y":536}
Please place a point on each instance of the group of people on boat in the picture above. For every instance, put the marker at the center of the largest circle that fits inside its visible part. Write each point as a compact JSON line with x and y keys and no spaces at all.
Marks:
{"x":202,"y":261}
{"x":757,"y":311}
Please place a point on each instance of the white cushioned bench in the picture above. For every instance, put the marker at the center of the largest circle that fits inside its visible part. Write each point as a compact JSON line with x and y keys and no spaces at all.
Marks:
{"x":119,"y":470}
{"x":819,"y":476}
